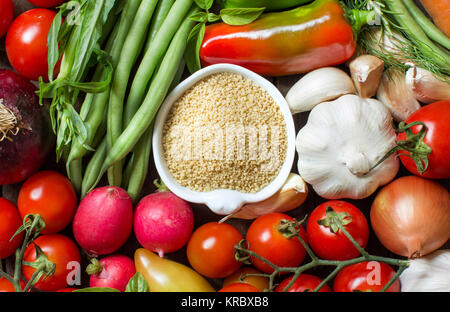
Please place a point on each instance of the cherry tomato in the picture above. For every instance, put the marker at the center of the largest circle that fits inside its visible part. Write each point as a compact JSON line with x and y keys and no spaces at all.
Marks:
{"x":46,"y":3}
{"x":67,"y":290}
{"x":7,"y":286}
{"x":51,"y":195}
{"x":265,"y":239}
{"x":26,"y":43}
{"x":6,"y":15}
{"x":336,"y":246}
{"x":241,"y":276}
{"x":304,"y":283}
{"x":436,"y":117}
{"x":10,"y":221}
{"x":60,"y":250}
{"x":365,"y":276}
{"x":239,"y":287}
{"x":210,"y":250}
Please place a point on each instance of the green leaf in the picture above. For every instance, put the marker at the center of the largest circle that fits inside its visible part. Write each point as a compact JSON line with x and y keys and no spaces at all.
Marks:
{"x":97,"y":289}
{"x":137,"y":284}
{"x":237,"y":16}
{"x":204,"y":4}
{"x":192,"y":54}
{"x":199,"y":17}
{"x":52,"y":42}
{"x":213,"y":17}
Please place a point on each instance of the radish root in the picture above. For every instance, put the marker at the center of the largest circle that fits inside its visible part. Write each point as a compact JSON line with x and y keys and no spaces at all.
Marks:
{"x":8,"y":123}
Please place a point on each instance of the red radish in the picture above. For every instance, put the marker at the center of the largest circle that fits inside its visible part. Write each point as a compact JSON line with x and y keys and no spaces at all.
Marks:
{"x":104,"y":220}
{"x":113,"y":271}
{"x":163,"y":222}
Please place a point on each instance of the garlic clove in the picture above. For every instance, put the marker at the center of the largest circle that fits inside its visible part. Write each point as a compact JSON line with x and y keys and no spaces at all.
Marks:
{"x":428,"y":274}
{"x":318,"y":86}
{"x":366,"y":71}
{"x":425,"y":86}
{"x":396,"y":96}
{"x":292,"y":195}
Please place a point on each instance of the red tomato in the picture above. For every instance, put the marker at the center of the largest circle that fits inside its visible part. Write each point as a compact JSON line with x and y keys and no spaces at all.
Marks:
{"x":365,"y":276}
{"x":46,"y":3}
{"x":7,"y":286}
{"x":10,"y":221}
{"x":210,"y":250}
{"x":26,"y":43}
{"x":336,"y":246}
{"x":436,"y":117}
{"x":304,"y":283}
{"x":60,"y":250}
{"x":67,"y":290}
{"x":266,"y":240}
{"x":51,"y":195}
{"x":239,"y":287}
{"x":6,"y":15}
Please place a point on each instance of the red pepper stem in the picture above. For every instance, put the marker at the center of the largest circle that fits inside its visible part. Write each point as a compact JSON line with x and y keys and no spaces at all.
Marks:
{"x":360,"y":18}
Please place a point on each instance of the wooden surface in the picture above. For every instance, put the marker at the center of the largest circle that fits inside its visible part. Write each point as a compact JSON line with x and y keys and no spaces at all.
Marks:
{"x":203,"y":214}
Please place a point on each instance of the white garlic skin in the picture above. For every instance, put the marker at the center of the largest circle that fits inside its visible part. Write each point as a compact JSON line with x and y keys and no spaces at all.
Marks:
{"x":339,"y":144}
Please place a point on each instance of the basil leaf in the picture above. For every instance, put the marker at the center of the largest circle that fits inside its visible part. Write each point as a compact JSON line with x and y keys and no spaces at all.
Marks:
{"x":213,"y":17}
{"x":200,"y":17}
{"x":97,"y":289}
{"x":137,"y":284}
{"x":192,"y":54}
{"x":237,"y":17}
{"x":204,"y":4}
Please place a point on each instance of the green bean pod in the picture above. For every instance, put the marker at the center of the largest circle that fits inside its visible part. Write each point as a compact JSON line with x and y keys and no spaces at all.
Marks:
{"x":130,"y":52}
{"x":155,"y":96}
{"x":162,"y":10}
{"x":93,"y":168}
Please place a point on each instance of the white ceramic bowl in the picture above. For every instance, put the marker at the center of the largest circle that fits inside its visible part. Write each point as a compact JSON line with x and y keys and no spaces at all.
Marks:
{"x":222,"y":201}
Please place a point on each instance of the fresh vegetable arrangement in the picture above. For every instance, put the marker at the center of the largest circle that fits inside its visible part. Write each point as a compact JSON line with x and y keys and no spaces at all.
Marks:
{"x":365,"y":208}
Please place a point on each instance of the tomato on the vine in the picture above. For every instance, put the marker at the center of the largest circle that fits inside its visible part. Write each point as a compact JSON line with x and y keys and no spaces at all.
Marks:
{"x":239,"y":287}
{"x":266,"y":239}
{"x":60,"y":250}
{"x":365,"y":276}
{"x":46,"y":3}
{"x":6,"y":15}
{"x":51,"y":195}
{"x":435,"y":116}
{"x":210,"y":250}
{"x":327,"y":240}
{"x":304,"y":283}
{"x":10,"y":221}
{"x":7,"y":286}
{"x":26,"y":43}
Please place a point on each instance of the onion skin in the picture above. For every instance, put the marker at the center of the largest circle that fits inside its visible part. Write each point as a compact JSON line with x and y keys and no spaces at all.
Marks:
{"x":411,"y":216}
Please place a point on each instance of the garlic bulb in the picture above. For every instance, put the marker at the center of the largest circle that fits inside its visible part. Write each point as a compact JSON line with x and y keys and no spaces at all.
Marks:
{"x":425,"y":86}
{"x":320,"y":85}
{"x":292,"y":195}
{"x":366,"y":71}
{"x":428,"y":274}
{"x":341,"y":142}
{"x":396,"y":96}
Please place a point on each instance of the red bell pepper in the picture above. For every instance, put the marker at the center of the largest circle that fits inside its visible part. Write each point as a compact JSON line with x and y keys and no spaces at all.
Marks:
{"x":284,"y":43}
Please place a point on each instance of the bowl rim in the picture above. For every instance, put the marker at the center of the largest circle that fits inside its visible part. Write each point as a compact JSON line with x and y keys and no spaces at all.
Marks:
{"x":222,"y":201}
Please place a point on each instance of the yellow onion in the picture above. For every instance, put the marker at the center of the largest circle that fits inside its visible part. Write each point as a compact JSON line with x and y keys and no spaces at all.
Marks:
{"x":411,"y":216}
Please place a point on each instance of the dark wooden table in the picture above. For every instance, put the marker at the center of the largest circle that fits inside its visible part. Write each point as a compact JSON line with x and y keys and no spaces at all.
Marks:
{"x":202,"y":213}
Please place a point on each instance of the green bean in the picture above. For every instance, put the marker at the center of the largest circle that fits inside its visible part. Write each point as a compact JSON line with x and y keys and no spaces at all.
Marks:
{"x":96,"y":115}
{"x":155,"y":96}
{"x":137,"y":168}
{"x":130,"y":52}
{"x":93,"y":168}
{"x":154,"y":54}
{"x":417,"y":35}
{"x":428,"y":27}
{"x":162,"y":10}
